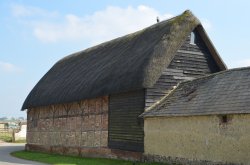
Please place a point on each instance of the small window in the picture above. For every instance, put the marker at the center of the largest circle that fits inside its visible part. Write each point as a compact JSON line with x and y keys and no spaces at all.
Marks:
{"x":224,"y":119}
{"x":192,"y":38}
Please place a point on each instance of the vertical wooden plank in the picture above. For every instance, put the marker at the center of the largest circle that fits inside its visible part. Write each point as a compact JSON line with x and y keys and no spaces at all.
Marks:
{"x":125,"y":129}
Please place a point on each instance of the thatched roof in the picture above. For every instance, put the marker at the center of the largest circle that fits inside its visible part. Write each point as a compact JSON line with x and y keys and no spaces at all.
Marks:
{"x":226,"y":92}
{"x":131,"y":62}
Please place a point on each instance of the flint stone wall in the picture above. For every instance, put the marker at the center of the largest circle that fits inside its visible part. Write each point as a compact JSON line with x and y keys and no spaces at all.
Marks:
{"x":78,"y":124}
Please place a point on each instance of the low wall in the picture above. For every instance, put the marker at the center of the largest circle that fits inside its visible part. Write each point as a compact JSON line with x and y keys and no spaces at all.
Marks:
{"x":198,"y":138}
{"x":21,"y":135}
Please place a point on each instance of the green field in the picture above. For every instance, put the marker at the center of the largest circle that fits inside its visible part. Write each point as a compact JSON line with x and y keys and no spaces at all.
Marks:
{"x":55,"y":159}
{"x":6,"y":137}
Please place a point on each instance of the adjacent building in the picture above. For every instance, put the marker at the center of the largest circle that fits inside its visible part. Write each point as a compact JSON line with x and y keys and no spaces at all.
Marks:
{"x":202,"y":119}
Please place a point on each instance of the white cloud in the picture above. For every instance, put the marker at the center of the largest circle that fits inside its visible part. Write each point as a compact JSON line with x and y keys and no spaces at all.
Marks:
{"x":9,"y":68}
{"x":95,"y":28}
{"x":29,"y":11}
{"x":100,"y":26}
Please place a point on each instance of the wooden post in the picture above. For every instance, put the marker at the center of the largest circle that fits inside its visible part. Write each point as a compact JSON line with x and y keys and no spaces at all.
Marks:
{"x":13,"y":135}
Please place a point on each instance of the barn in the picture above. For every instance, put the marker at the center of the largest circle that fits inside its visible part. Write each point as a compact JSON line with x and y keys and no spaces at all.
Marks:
{"x":202,"y":119}
{"x":88,"y":103}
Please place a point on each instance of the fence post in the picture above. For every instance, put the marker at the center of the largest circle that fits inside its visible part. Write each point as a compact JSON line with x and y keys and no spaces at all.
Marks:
{"x":13,"y":135}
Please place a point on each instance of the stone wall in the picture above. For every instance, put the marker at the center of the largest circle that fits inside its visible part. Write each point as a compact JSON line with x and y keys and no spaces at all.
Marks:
{"x":196,"y":138}
{"x":72,"y":125}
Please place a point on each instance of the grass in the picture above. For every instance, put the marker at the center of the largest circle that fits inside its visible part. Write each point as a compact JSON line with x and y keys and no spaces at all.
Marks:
{"x":6,"y":137}
{"x":56,"y":159}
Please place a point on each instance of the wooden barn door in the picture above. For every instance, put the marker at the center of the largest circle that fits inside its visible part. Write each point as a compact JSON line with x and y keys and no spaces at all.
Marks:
{"x":125,"y":129}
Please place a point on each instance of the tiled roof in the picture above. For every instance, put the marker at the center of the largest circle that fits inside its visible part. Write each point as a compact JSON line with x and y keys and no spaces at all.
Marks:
{"x":226,"y":92}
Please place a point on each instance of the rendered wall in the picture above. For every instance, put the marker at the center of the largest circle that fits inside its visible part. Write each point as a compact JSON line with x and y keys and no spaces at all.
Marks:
{"x":21,"y":135}
{"x":73,"y":125}
{"x":199,"y":138}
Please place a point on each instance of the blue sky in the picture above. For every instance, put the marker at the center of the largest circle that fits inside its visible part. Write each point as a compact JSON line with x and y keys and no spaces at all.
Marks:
{"x":37,"y":33}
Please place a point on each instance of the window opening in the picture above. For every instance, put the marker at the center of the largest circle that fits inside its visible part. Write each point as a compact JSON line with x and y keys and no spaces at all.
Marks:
{"x":192,"y":38}
{"x":223,"y":119}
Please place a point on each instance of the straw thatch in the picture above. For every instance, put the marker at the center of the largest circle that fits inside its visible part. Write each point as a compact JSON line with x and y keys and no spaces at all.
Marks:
{"x":132,"y":62}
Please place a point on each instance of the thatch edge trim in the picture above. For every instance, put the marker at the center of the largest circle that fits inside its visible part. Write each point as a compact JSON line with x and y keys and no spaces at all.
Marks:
{"x":169,"y":47}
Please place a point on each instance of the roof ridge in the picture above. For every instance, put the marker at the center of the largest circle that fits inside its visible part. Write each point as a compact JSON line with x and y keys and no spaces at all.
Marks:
{"x":103,"y":44}
{"x":185,"y":13}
